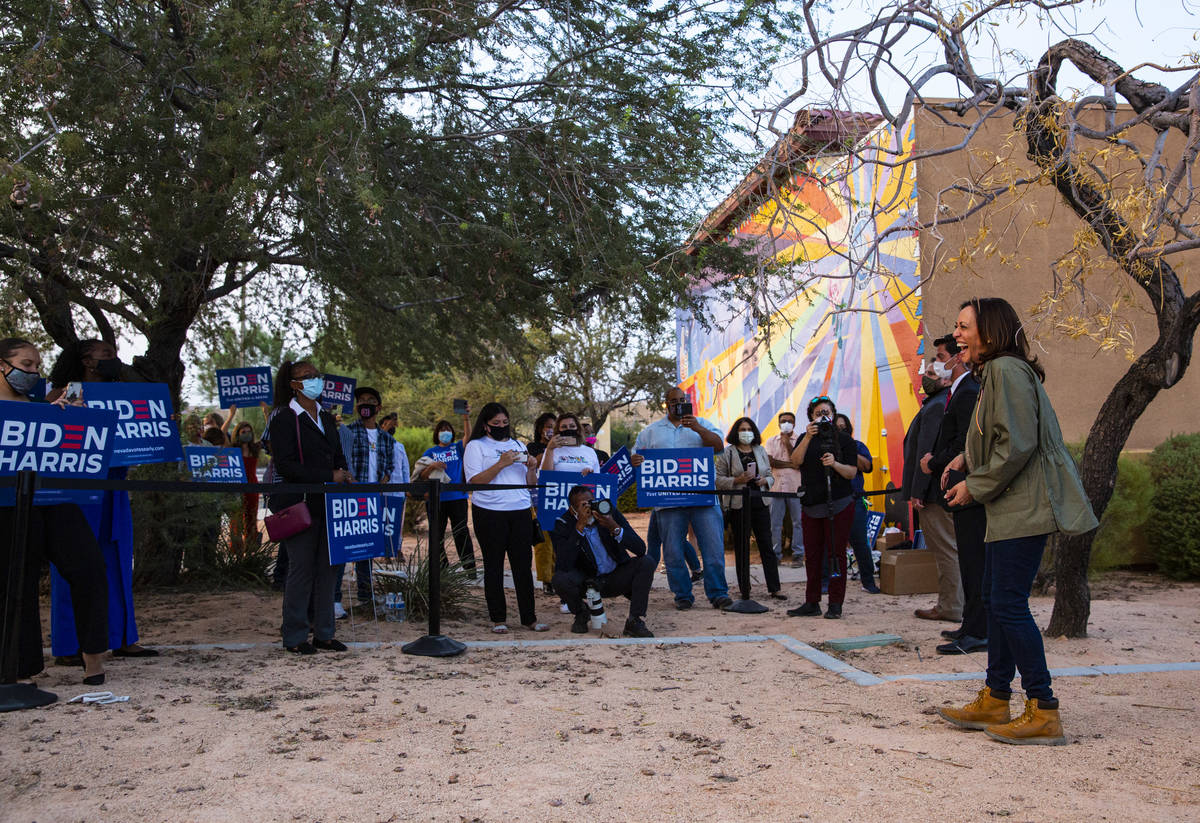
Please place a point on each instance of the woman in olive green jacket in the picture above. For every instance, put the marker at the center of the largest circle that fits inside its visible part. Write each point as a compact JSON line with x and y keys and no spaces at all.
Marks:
{"x":1019,"y":468}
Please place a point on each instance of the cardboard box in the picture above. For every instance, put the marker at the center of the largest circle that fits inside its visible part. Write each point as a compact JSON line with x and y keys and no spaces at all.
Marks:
{"x":893,"y":537}
{"x":908,"y":571}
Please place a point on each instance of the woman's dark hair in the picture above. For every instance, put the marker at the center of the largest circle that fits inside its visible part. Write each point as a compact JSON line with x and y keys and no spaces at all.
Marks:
{"x":214,"y":436}
{"x":488,"y":411}
{"x":254,"y":445}
{"x":283,"y":382}
{"x":732,"y":437}
{"x":849,"y":425}
{"x":1001,"y":333}
{"x":539,"y":425}
{"x":816,"y":401}
{"x":8,"y":345}
{"x":438,"y":426}
{"x":68,"y":368}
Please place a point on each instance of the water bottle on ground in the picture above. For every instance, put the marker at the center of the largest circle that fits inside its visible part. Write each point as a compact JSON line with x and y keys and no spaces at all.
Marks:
{"x":389,"y":607}
{"x":399,"y":611}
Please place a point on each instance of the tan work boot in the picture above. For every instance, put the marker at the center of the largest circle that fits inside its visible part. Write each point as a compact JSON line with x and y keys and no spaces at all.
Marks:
{"x":985,"y":710}
{"x":1035,"y":727}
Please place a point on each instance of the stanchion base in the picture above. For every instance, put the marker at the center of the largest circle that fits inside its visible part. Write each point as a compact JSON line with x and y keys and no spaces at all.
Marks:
{"x":747,"y":607}
{"x":434,"y":645}
{"x":17,"y":696}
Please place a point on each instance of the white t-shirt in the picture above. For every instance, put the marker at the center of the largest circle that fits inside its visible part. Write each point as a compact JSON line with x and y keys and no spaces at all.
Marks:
{"x":574,"y":459}
{"x":483,"y":453}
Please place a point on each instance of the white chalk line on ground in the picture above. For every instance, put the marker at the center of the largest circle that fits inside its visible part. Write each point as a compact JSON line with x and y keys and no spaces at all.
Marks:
{"x":823,"y":659}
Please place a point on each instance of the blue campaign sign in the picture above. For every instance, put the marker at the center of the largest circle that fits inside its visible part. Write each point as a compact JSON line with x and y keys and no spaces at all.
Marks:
{"x":145,"y":431}
{"x":354,"y":524}
{"x":215,"y":465}
{"x":874,"y":524}
{"x":55,"y":442}
{"x":339,"y":391}
{"x":393,"y":524}
{"x":666,"y":474}
{"x":620,"y":466}
{"x":244,"y":387}
{"x":552,"y":500}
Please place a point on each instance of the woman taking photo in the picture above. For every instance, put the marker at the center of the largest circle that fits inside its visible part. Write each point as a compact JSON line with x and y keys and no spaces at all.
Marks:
{"x":502,"y":524}
{"x":827,"y":460}
{"x":305,"y":448}
{"x":1019,"y":469}
{"x":60,"y":534}
{"x":444,"y":461}
{"x":743,"y":462}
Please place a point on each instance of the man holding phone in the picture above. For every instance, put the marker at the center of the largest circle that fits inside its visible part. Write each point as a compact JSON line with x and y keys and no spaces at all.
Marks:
{"x":681,"y":429}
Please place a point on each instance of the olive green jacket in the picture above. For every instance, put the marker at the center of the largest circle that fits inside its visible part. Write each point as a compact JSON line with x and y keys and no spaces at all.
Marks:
{"x":1019,"y":467}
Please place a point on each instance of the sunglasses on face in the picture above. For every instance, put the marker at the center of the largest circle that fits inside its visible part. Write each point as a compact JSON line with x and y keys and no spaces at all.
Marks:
{"x":821,"y":399}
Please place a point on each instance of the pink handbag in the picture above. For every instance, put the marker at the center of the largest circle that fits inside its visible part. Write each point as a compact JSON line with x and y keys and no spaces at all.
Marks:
{"x":295,"y":518}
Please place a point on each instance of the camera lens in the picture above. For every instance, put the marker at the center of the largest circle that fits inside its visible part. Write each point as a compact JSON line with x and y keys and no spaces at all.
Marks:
{"x":602,"y":507}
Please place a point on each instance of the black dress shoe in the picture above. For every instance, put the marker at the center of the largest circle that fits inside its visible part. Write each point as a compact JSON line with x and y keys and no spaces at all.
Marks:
{"x":952,"y":634}
{"x":778,"y":596}
{"x":723,"y":602}
{"x":834,"y":611}
{"x":330,"y":645}
{"x":304,"y":647}
{"x":697,"y":576}
{"x":806,"y":610}
{"x":636,"y":627}
{"x":69,"y":660}
{"x":548,"y":589}
{"x":964,"y":645}
{"x":94,"y":680}
{"x":140,"y":652}
{"x":872,"y":589}
{"x":683,"y":605}
{"x":580,"y":626}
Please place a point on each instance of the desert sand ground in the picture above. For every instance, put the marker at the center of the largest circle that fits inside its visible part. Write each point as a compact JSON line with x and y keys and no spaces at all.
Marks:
{"x":701,"y":731}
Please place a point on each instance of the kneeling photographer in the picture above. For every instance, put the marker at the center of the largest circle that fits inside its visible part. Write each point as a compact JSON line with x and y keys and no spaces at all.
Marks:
{"x":828,"y":461}
{"x":594,"y":546}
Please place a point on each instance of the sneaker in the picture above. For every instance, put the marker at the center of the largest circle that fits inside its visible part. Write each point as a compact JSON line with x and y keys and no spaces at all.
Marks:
{"x":833,"y":611}
{"x":1036,"y":726}
{"x":682,"y":604}
{"x":580,"y":626}
{"x":722,"y":602}
{"x":984,"y":711}
{"x":797,"y":561}
{"x":564,"y":608}
{"x":548,"y":589}
{"x":805,"y":610}
{"x":330,"y":645}
{"x":697,"y":575}
{"x":304,"y":647}
{"x":339,"y":611}
{"x":872,"y":589}
{"x":636,"y":627}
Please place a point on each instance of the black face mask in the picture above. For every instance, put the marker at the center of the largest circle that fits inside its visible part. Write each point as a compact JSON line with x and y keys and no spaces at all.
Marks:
{"x":498,"y":432}
{"x":930,"y":385}
{"x":109,"y":370}
{"x":367,"y":411}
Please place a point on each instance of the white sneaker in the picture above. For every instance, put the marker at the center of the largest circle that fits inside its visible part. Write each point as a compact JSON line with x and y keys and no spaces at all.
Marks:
{"x":339,"y":611}
{"x":564,"y":608}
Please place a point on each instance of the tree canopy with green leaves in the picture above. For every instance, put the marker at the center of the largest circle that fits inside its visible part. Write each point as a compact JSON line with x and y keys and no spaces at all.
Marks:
{"x":398,"y":180}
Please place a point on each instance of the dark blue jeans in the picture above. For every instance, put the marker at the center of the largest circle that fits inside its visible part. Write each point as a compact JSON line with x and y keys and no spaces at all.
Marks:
{"x":1014,"y":640}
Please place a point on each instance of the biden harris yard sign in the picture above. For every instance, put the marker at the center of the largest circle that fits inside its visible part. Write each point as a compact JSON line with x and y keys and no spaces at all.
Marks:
{"x":211,"y":464}
{"x":354,"y":524}
{"x":55,"y":442}
{"x":244,"y":387}
{"x":620,"y":467}
{"x":145,"y":432}
{"x":552,"y":500}
{"x":666,"y":476}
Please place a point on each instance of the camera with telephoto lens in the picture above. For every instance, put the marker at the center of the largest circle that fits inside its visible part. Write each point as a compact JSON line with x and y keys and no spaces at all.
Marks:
{"x":595,"y":608}
{"x":603,"y":507}
{"x":826,"y":437}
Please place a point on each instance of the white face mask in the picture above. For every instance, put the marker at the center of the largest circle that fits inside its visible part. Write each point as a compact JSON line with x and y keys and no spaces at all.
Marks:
{"x":942,"y":371}
{"x":786,"y":428}
{"x":745,"y":437}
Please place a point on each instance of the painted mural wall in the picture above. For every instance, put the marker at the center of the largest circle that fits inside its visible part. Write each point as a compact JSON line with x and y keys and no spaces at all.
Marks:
{"x":852,"y":332}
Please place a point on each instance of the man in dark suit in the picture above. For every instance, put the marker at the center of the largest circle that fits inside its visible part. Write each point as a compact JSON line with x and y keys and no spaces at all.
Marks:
{"x":937,"y":524}
{"x":970,"y":522}
{"x":603,"y":551}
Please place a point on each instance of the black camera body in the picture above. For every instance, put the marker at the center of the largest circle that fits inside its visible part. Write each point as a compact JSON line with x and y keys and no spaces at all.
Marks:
{"x":683,"y":409}
{"x":604,"y":507}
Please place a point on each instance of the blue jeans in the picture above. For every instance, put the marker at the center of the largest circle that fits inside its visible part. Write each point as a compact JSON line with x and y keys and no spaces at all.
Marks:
{"x":858,"y":542}
{"x":654,"y":547}
{"x":1014,"y":640}
{"x":709,"y":525}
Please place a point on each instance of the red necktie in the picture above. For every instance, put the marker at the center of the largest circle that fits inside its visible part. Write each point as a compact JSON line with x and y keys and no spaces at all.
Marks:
{"x":949,"y":394}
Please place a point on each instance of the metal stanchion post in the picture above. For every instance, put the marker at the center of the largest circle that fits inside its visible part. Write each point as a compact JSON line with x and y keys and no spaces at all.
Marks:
{"x":742,"y":562}
{"x":14,"y":695}
{"x":434,"y":644}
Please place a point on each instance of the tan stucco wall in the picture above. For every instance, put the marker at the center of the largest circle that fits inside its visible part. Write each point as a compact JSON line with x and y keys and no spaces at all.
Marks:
{"x":1079,"y":376}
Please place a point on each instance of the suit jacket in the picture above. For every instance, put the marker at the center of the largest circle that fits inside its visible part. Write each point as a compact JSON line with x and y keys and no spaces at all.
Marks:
{"x":322,"y":454}
{"x":919,"y":440}
{"x":956,"y":422}
{"x":728,"y":465}
{"x":572,"y":552}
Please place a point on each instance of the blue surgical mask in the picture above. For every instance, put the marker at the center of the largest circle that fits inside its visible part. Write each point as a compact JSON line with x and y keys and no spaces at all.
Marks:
{"x":313,"y":387}
{"x":445,"y":437}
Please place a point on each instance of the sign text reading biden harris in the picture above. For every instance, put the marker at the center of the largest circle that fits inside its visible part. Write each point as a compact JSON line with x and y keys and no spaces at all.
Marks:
{"x":145,"y":432}
{"x":665,"y":473}
{"x":70,"y":442}
{"x":242,"y":387}
{"x":354,"y":524}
